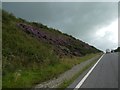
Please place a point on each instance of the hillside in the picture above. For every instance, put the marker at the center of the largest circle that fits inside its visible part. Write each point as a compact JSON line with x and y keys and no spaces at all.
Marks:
{"x":63,"y":44}
{"x":117,"y":50}
{"x":32,"y":52}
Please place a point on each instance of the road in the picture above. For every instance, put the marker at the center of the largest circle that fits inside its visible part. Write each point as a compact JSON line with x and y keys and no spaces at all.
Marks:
{"x":104,"y":75}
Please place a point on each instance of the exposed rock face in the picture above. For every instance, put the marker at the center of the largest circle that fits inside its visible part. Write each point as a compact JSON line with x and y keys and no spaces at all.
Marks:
{"x":63,"y":44}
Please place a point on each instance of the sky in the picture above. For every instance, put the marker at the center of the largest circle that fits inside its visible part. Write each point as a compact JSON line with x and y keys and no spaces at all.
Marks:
{"x":95,"y":23}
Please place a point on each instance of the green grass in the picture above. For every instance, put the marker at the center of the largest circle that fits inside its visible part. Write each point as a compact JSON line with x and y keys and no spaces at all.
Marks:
{"x":77,"y":60}
{"x":66,"y":83}
{"x":31,"y":77}
{"x":21,"y":51}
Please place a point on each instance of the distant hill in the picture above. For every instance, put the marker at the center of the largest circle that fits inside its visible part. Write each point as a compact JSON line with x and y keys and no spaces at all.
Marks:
{"x":30,"y":46}
{"x":117,"y":50}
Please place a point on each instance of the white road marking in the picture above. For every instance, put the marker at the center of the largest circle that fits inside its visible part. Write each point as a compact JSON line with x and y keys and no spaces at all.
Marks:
{"x":85,"y":77}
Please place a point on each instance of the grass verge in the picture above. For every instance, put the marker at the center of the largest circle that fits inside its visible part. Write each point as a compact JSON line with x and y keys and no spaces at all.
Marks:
{"x":66,"y":83}
{"x":30,"y":77}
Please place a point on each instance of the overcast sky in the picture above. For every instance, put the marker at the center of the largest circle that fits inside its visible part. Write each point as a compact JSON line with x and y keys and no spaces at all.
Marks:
{"x":93,"y":22}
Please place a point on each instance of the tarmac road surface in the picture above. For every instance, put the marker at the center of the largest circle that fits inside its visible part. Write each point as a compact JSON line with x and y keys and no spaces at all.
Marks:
{"x":104,"y":74}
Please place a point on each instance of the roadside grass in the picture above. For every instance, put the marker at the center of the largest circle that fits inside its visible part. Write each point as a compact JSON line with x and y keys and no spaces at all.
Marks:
{"x":77,"y":60}
{"x":30,"y":77}
{"x":66,"y":83}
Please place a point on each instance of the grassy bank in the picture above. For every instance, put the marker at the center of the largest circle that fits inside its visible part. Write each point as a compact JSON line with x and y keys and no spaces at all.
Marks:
{"x":27,"y":60}
{"x":30,"y":77}
{"x":66,"y":83}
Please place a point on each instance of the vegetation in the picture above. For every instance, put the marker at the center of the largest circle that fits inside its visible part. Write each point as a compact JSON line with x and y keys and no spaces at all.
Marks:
{"x":66,"y":83}
{"x":22,"y":52}
{"x":117,"y":50}
{"x":28,"y":61}
{"x":29,"y":77}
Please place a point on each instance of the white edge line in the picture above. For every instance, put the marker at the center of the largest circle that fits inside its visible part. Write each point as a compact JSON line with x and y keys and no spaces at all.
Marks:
{"x":85,"y":77}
